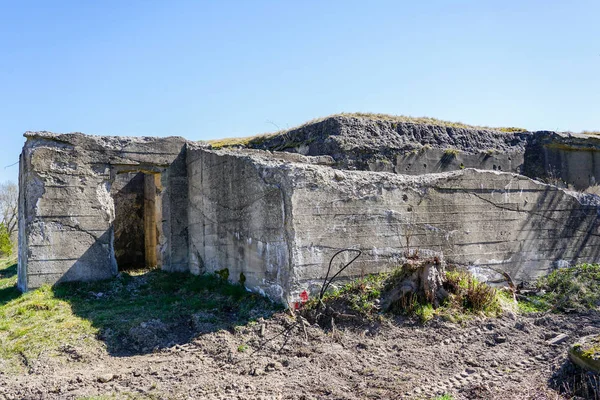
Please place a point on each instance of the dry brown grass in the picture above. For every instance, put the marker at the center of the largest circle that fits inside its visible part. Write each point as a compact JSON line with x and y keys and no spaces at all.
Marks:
{"x":244,"y":141}
{"x":596,"y":133}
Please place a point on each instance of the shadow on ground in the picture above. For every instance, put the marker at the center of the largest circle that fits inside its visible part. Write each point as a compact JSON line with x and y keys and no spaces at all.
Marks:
{"x":574,"y":382}
{"x":8,"y":293}
{"x":138,"y":313}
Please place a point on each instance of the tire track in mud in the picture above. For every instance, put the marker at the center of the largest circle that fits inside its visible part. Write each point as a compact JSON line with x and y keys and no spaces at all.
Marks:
{"x":470,"y":376}
{"x":483,"y":375}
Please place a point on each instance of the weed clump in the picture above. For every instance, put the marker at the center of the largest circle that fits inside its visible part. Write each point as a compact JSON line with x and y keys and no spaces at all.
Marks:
{"x":571,"y":289}
{"x":360,"y":296}
{"x":451,"y":153}
{"x":467,"y":293}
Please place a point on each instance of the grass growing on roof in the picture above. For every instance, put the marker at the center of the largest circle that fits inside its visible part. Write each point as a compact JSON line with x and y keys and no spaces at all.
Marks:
{"x":394,"y":119}
{"x":451,"y":153}
{"x":421,"y":120}
{"x":248,"y":141}
{"x":444,"y":397}
{"x":122,"y":396}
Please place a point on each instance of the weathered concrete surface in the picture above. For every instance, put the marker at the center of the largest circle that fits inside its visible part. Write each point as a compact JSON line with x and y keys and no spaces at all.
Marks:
{"x":278,"y":222}
{"x":67,"y":211}
{"x":382,"y":145}
{"x":273,"y":220}
{"x":477,"y":218}
{"x":237,"y":220}
{"x":402,"y":147}
{"x":564,"y":158}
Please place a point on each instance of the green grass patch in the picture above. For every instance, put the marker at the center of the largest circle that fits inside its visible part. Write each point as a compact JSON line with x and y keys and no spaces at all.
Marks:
{"x":8,"y":281}
{"x":128,"y":301}
{"x":78,"y":314}
{"x":360,"y":296}
{"x":444,"y":397}
{"x":533,"y":304}
{"x":35,"y":323}
{"x":469,"y":294}
{"x":571,"y":289}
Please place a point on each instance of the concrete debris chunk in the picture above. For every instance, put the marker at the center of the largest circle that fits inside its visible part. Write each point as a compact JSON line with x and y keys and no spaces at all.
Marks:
{"x":557,"y":340}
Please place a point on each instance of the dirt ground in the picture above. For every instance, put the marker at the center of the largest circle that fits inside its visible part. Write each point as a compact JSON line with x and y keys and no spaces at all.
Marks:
{"x":505,"y":358}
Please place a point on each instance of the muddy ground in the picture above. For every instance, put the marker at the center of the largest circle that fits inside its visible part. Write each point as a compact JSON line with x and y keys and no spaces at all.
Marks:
{"x":504,"y":358}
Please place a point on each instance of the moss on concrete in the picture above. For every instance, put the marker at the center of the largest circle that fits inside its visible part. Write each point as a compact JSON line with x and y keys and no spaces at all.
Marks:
{"x":586,"y":353}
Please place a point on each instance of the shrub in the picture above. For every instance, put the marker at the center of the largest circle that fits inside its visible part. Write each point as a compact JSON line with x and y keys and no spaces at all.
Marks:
{"x":6,"y":245}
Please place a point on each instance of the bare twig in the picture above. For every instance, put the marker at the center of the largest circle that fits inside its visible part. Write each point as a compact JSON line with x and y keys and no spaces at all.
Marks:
{"x":327,"y":282}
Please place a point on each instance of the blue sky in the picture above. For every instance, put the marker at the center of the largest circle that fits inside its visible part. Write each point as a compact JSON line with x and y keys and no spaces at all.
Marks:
{"x":209,"y":69}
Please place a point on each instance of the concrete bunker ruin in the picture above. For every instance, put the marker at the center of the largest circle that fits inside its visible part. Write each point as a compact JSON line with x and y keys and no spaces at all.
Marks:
{"x":91,"y":206}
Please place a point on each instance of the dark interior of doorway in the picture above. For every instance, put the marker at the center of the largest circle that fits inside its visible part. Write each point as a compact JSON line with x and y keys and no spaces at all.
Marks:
{"x":135,"y":224}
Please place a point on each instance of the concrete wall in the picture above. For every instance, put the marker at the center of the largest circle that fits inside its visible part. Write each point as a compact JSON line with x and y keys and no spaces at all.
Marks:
{"x":237,"y":221}
{"x":477,"y":218}
{"x":382,"y":144}
{"x":250,"y":210}
{"x":564,"y":159}
{"x":67,"y":211}
{"x":429,"y":160}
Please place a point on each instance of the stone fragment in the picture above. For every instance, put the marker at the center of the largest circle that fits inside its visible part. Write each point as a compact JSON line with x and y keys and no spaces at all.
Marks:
{"x":500,"y":339}
{"x":558,"y":339}
{"x":106,"y":378}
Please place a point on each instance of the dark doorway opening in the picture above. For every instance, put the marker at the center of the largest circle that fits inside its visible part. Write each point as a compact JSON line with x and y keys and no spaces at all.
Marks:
{"x":137,"y":205}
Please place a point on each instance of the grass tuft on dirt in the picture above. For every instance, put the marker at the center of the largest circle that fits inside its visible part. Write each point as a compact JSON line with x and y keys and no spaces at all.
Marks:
{"x":469,"y":294}
{"x":572,"y":289}
{"x":131,"y":314}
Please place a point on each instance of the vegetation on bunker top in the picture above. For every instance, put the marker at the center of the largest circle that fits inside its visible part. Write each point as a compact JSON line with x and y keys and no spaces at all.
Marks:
{"x":393,"y":119}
